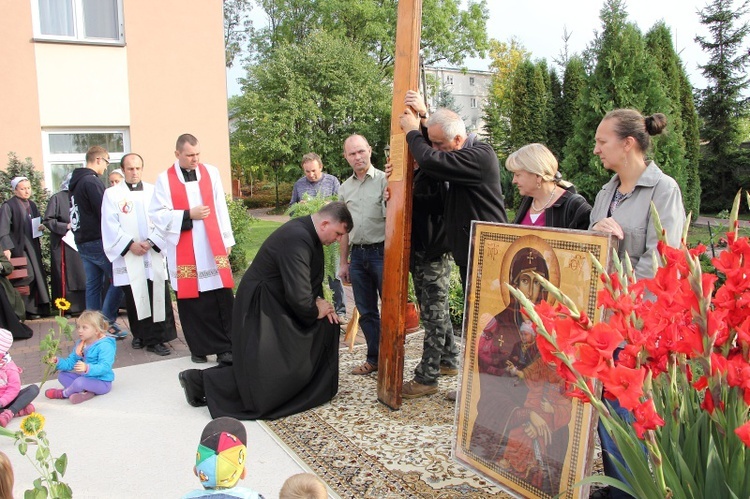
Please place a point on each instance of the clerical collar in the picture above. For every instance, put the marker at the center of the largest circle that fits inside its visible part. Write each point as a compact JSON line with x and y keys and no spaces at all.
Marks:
{"x":135,"y":187}
{"x":189,"y":175}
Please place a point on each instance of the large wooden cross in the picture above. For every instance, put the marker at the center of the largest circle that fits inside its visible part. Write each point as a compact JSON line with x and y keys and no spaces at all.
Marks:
{"x":398,"y":217}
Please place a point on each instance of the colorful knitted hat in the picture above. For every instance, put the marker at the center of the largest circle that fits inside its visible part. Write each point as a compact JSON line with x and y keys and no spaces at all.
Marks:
{"x":6,"y":340}
{"x":221,"y":455}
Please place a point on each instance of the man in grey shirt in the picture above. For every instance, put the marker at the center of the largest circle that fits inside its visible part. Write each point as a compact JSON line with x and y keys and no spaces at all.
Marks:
{"x":363,"y":195}
{"x":316,"y":183}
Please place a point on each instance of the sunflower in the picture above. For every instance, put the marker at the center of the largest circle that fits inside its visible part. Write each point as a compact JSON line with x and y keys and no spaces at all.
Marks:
{"x":62,"y":304}
{"x":32,"y":424}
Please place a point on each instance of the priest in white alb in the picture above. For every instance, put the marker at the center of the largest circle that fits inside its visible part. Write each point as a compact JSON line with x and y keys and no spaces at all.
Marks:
{"x":190,"y":211}
{"x":135,"y":249}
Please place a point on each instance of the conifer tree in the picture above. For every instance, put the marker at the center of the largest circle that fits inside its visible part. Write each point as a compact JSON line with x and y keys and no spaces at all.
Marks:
{"x":574,"y":80}
{"x":721,"y":105}
{"x":684,"y":121}
{"x":624,"y":76}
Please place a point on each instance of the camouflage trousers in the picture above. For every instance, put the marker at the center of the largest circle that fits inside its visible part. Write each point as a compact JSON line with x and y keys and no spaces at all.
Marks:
{"x":432,"y":284}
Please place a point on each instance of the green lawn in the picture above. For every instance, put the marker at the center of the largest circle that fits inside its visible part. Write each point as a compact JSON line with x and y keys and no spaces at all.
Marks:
{"x":259,"y":231}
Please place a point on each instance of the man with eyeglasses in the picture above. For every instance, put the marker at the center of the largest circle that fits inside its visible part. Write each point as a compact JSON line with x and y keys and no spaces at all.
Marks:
{"x":87,"y":192}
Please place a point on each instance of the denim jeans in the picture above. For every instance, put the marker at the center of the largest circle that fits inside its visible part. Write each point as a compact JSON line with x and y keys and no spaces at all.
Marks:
{"x":366,"y":274}
{"x":338,"y":295}
{"x":98,"y":268}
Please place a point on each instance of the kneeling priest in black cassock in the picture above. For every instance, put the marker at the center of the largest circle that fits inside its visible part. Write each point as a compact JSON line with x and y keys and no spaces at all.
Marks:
{"x":285,"y":336}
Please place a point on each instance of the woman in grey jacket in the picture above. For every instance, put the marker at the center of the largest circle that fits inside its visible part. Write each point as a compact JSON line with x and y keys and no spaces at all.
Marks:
{"x":622,"y":207}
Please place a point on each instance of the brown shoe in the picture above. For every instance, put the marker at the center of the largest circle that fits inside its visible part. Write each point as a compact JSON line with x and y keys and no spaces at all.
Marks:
{"x":365,"y":368}
{"x":413,"y":389}
{"x":448,"y":371}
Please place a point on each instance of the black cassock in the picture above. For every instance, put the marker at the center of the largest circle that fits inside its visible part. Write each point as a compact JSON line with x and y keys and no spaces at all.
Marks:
{"x":68,"y":276}
{"x":285,"y":358}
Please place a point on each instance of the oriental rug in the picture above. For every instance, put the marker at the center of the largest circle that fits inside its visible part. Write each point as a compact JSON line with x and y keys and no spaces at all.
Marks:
{"x":363,"y":449}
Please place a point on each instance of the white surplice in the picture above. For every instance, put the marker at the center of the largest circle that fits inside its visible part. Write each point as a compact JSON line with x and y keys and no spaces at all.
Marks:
{"x":125,"y":219}
{"x":168,"y":221}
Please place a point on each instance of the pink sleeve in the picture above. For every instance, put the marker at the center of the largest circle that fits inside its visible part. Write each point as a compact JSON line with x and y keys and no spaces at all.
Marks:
{"x":13,"y":386}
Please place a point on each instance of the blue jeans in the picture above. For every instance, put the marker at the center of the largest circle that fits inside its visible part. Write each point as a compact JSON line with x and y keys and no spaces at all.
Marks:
{"x":366,"y":274}
{"x":98,"y":267}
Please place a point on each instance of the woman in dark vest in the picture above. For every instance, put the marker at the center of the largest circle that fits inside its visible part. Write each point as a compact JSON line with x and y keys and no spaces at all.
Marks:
{"x":66,"y":268}
{"x":16,"y":240}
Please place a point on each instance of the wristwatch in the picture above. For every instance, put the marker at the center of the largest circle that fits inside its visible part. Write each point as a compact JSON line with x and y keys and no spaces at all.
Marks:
{"x":424,"y":116}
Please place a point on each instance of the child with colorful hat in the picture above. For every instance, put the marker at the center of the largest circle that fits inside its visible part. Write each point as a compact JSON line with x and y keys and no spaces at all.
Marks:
{"x":220,"y":461}
{"x":14,"y":400}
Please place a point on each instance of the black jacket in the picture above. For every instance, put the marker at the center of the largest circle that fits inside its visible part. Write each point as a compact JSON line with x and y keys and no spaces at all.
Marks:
{"x":570,"y":211}
{"x":87,"y":192}
{"x":474,"y":191}
{"x":427,"y":224}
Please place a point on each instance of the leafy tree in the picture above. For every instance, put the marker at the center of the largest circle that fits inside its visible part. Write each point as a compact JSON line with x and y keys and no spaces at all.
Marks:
{"x":721,"y":105}
{"x":624,"y":76}
{"x":237,"y":28}
{"x":684,"y":121}
{"x":449,"y":34}
{"x":506,"y":57}
{"x":309,"y":97}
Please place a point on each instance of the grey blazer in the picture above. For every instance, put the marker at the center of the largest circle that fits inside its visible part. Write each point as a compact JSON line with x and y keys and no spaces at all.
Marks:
{"x":634,"y":216}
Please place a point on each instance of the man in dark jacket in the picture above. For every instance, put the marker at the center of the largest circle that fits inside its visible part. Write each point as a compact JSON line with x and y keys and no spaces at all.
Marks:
{"x":431,"y":265}
{"x":443,"y":150}
{"x":87,"y":192}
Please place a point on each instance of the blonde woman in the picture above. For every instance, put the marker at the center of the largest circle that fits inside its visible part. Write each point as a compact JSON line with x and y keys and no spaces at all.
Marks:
{"x":548,"y":200}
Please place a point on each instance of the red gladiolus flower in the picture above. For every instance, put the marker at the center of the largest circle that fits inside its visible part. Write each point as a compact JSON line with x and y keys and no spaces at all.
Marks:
{"x":604,"y":339}
{"x":569,"y":332}
{"x":646,"y":418}
{"x":546,"y":349}
{"x":738,"y":371}
{"x":718,"y":363}
{"x":744,"y":433}
{"x":589,"y":361}
{"x":708,"y":402}
{"x":625,"y":383}
{"x":701,"y":383}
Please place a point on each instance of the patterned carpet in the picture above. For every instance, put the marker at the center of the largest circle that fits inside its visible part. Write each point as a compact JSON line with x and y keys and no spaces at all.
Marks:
{"x":363,"y":449}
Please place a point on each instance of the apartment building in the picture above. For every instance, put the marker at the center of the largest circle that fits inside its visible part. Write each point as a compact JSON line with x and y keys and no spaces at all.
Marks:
{"x":130,"y":75}
{"x":468,"y":88}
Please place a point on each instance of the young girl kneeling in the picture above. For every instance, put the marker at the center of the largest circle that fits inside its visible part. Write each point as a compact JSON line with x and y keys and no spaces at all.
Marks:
{"x":87,"y":371}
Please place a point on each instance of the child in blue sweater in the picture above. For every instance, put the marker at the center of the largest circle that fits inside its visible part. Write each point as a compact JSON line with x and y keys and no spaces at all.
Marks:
{"x":87,"y":371}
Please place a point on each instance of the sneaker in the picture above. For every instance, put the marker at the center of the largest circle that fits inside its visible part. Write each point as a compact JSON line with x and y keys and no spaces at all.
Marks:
{"x":79,"y":397}
{"x":159,"y":349}
{"x":448,"y":370}
{"x":5,"y":417}
{"x":26,"y":410}
{"x":343,"y":319}
{"x":199,"y":359}
{"x":413,"y":389}
{"x":117,"y":332}
{"x":54,"y":393}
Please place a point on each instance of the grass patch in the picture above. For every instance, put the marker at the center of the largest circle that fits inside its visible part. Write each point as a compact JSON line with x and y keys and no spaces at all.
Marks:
{"x":699,"y":234}
{"x":260,"y":230}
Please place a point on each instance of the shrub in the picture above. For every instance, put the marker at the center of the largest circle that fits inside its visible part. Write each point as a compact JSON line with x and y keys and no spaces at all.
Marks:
{"x":456,"y":298}
{"x":241,"y":221}
{"x":264,"y":195}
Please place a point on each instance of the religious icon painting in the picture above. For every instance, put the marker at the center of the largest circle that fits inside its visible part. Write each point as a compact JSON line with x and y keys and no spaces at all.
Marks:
{"x":515,"y":424}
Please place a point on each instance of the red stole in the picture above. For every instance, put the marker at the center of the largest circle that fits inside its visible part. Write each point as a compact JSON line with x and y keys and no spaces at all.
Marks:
{"x":187,"y":271}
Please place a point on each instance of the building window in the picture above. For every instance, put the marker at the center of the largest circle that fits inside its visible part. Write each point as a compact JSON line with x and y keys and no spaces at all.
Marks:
{"x":471,"y":81}
{"x":473,"y":102}
{"x":95,"y":21}
{"x":65,"y":150}
{"x":449,"y":79}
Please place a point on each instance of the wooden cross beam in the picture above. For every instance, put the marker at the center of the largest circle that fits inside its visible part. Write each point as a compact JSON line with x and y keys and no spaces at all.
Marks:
{"x":398,"y":216}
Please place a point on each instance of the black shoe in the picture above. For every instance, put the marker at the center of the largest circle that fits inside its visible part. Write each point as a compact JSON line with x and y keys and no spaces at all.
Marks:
{"x":224,"y":358}
{"x":33,"y":317}
{"x":159,"y":349}
{"x":199,"y":359}
{"x":191,"y":390}
{"x":137,"y":343}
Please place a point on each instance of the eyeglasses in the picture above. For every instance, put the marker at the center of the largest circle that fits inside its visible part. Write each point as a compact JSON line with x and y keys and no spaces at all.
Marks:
{"x":105,"y":160}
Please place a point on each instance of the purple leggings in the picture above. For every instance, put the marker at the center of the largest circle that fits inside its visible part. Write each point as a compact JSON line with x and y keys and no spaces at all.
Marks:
{"x":75,"y":383}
